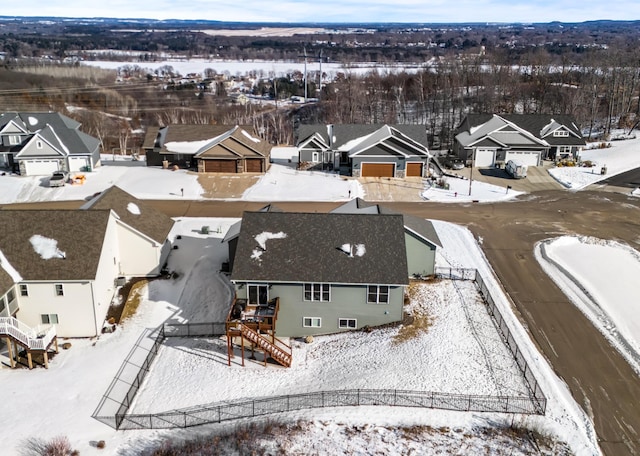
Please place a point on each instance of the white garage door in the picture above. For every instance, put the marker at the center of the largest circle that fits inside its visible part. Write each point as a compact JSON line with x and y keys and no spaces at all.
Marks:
{"x":78,"y":164}
{"x":41,"y":167}
{"x":484,"y":157}
{"x":524,"y":158}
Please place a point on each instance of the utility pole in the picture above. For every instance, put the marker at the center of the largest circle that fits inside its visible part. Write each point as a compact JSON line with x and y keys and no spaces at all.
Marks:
{"x":320,"y":76}
{"x":473,"y":154}
{"x":305,"y":74}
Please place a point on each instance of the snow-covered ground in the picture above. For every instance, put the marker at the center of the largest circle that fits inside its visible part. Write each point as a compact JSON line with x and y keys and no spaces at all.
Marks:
{"x":601,"y":279}
{"x":60,"y":400}
{"x":448,"y":357}
{"x":622,"y":156}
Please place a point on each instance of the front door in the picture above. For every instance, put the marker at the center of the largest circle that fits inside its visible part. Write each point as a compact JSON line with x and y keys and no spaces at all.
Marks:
{"x":258,"y":295}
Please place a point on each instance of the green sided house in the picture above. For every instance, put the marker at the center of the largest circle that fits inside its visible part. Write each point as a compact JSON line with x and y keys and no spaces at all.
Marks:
{"x":317,"y":273}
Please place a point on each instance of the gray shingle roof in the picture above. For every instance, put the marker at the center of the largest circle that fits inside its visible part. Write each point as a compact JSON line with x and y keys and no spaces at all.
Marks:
{"x":344,"y":133}
{"x":311,"y":250}
{"x":422,"y":227}
{"x":150,"y":221}
{"x":79,"y":234}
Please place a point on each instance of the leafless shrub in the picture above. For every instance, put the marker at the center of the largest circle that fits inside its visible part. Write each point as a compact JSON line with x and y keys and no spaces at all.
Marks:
{"x":57,"y":446}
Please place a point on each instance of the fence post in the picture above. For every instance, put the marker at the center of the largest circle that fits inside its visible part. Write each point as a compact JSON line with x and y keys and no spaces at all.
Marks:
{"x":358,"y":396}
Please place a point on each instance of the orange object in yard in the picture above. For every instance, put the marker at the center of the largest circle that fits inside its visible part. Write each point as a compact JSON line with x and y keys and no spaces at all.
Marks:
{"x":78,"y":179}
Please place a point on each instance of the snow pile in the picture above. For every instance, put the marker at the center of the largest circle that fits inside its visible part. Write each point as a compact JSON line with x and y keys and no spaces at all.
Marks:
{"x":4,"y":264}
{"x":133,"y":208}
{"x":45,"y":247}
{"x":353,"y":249}
{"x":255,"y":140}
{"x":263,"y":237}
{"x":603,"y":294}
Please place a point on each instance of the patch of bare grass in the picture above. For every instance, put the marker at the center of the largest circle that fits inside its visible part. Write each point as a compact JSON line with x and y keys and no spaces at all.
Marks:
{"x":134,"y":299}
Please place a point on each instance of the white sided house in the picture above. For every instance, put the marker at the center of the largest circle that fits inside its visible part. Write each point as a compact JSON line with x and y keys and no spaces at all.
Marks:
{"x":65,"y":264}
{"x":61,"y":267}
{"x":142,"y":232}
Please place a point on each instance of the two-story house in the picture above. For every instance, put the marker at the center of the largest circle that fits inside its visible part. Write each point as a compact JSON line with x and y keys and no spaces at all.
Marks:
{"x":39,"y":143}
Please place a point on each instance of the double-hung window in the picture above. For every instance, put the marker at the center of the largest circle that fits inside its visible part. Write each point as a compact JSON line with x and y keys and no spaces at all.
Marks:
{"x":49,"y":319}
{"x":14,"y":140}
{"x":24,"y":290}
{"x":59,"y":289}
{"x":378,"y":294}
{"x":317,"y":292}
{"x":312,"y":322}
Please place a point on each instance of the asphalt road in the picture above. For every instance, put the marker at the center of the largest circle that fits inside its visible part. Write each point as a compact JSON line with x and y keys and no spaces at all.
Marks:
{"x":599,"y":378}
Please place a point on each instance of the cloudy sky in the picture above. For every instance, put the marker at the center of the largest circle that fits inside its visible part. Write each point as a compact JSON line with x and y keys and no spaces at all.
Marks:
{"x":337,"y":10}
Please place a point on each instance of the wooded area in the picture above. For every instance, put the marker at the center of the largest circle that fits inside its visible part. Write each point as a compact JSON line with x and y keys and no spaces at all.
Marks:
{"x":589,"y":71}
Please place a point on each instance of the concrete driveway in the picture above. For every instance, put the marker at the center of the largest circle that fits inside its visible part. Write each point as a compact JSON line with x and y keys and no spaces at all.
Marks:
{"x":538,"y":178}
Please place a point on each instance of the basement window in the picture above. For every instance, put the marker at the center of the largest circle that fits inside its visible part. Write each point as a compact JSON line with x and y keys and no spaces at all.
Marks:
{"x":312,"y":322}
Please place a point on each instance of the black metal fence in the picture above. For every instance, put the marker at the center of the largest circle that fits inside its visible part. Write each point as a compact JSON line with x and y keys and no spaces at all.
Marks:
{"x":537,"y":395}
{"x":195,"y":330}
{"x":114,"y":406}
{"x":456,"y":273}
{"x":534,"y":388}
{"x":120,"y":394}
{"x":227,"y":411}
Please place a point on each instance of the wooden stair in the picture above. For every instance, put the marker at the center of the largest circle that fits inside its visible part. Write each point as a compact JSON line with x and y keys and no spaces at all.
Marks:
{"x":38,"y":339}
{"x":279,"y":354}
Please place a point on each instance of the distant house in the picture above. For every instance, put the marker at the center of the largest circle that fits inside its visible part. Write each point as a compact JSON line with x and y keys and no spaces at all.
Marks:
{"x":420,"y":237}
{"x":60,"y":267}
{"x":492,"y":139}
{"x":207,"y":148}
{"x":366,"y":150}
{"x":326,"y":272}
{"x":39,"y":143}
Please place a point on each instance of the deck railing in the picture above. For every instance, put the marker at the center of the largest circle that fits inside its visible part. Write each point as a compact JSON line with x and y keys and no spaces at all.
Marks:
{"x":38,"y":338}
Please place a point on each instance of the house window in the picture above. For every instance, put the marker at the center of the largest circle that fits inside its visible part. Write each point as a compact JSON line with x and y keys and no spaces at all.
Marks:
{"x":378,"y":294}
{"x":312,"y":322}
{"x":24,"y":291}
{"x":347,"y":323}
{"x":561,"y":133}
{"x":39,"y":144}
{"x":59,"y":289}
{"x":3,"y":303}
{"x":14,"y":140}
{"x":258,"y":295}
{"x":317,"y":292}
{"x":564,"y":150}
{"x":11,"y":296}
{"x":49,"y":319}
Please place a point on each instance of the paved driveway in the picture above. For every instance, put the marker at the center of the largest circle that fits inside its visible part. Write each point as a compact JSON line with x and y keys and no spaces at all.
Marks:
{"x":538,"y":178}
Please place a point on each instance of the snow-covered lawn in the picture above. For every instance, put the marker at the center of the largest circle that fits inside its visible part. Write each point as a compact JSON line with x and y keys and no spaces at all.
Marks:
{"x":460,"y":353}
{"x":461,"y":192}
{"x":60,"y":400}
{"x":622,"y":156}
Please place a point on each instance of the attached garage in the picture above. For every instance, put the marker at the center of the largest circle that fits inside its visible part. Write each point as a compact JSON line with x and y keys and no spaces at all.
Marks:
{"x":220,"y":166}
{"x":378,"y":170}
{"x":484,"y":157}
{"x":40,"y":167}
{"x":253,"y":165}
{"x":528,"y":158}
{"x":79,"y":164}
{"x":414,"y":169}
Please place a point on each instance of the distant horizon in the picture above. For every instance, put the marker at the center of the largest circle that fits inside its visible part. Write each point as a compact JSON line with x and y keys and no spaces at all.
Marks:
{"x":336,"y":11}
{"x":276,"y":24}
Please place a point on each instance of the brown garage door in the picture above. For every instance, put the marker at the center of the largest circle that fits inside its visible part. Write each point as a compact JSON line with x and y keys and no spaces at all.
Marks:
{"x":414,"y":169}
{"x":378,"y":170}
{"x":253,"y":165}
{"x":220,"y":166}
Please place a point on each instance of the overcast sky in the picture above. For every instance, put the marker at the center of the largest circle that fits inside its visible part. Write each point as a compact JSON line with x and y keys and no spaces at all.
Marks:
{"x":336,"y":10}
